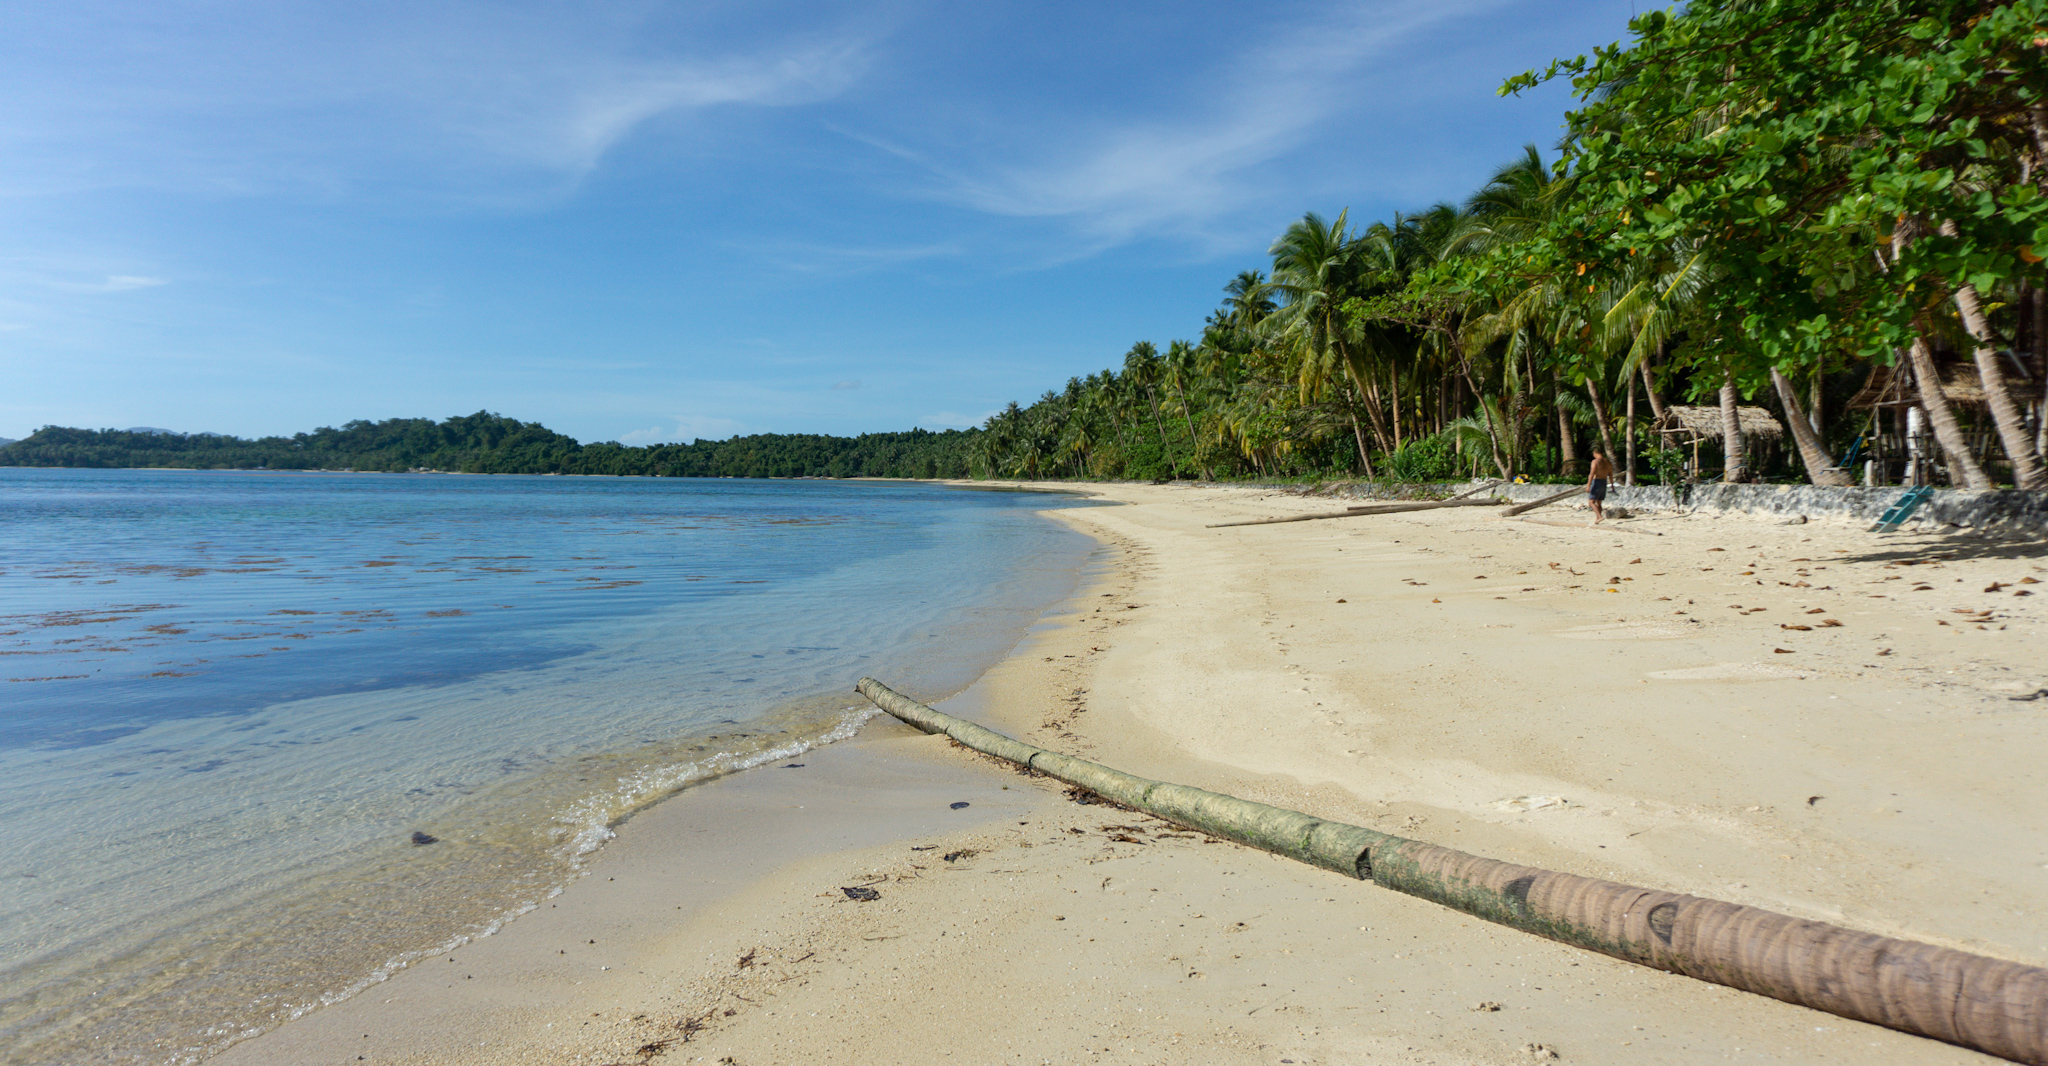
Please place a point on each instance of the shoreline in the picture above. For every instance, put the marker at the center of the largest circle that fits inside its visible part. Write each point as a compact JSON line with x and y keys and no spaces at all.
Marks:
{"x":209,"y":908}
{"x":1525,"y":715}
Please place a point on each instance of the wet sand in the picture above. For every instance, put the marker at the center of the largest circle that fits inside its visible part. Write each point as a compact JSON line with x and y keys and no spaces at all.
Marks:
{"x":1430,"y":674}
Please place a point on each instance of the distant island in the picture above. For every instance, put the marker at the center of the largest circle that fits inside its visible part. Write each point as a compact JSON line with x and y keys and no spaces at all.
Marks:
{"x":487,"y":443}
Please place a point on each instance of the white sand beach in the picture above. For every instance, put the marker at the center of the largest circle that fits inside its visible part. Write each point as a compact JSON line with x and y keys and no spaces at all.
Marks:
{"x":1624,"y":701}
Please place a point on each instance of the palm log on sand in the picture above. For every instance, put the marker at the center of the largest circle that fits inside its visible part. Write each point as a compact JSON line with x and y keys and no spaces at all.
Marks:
{"x":1994,"y":1006}
{"x":1357,"y":512}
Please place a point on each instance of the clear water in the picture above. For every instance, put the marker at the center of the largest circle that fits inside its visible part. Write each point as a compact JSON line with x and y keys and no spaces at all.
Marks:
{"x":228,"y":701}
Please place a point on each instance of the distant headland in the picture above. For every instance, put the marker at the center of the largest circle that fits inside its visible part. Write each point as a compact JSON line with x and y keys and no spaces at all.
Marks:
{"x":487,"y":443}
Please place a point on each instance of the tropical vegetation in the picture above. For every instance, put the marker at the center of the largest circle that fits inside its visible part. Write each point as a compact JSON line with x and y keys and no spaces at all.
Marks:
{"x":1778,"y":203}
{"x":1758,"y":201}
{"x":486,"y":443}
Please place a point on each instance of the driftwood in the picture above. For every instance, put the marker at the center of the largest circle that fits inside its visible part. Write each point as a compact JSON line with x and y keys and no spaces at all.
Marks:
{"x":1994,"y":1006}
{"x":1545,"y":501}
{"x":1476,"y":489}
{"x":1365,"y":509}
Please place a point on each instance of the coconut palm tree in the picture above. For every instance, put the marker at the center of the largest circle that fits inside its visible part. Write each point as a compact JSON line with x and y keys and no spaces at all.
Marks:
{"x":1144,"y":371}
{"x":1315,"y":269}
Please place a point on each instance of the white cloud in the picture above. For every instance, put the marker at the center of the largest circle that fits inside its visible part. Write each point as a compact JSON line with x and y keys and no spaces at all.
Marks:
{"x":688,"y":428}
{"x":125,"y":282}
{"x":812,"y":258}
{"x":245,"y":96}
{"x":1180,"y":173}
{"x":845,"y":386}
{"x":956,"y":420}
{"x":110,"y":283}
{"x":567,"y":119}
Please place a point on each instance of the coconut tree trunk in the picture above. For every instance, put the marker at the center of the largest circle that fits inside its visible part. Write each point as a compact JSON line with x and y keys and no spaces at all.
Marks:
{"x":1819,"y":468}
{"x":1629,"y":476}
{"x":2027,"y":471}
{"x":1369,"y":395}
{"x":1490,"y":417}
{"x":2040,"y":310}
{"x":1734,"y":470}
{"x":1600,"y":417}
{"x":1650,"y":390}
{"x":1567,"y":449}
{"x":1813,"y":410}
{"x":1935,"y":402}
{"x":1152,"y":396}
{"x":1358,"y":435}
{"x":1194,"y":443}
{"x":1394,"y":390}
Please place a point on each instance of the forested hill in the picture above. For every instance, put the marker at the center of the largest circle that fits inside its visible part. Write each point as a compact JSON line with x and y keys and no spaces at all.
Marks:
{"x":485,"y":443}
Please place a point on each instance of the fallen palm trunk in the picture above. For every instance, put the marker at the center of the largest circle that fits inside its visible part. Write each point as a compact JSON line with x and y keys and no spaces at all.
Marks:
{"x":1474,"y":491}
{"x":1365,"y":509}
{"x":1533,"y":504}
{"x":1994,"y":1006}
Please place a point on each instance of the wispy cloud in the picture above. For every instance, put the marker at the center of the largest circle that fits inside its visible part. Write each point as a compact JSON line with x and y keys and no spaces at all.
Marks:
{"x":956,"y":420}
{"x":809,"y":257}
{"x":66,"y":280}
{"x":122,"y":283}
{"x":574,"y":116}
{"x":245,"y":96}
{"x":687,"y":428}
{"x":1180,"y":173}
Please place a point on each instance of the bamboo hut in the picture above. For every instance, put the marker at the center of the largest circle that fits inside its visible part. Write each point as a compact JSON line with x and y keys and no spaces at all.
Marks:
{"x":1690,"y":425}
{"x":1682,"y":426}
{"x":1896,"y":437}
{"x":1892,"y":386}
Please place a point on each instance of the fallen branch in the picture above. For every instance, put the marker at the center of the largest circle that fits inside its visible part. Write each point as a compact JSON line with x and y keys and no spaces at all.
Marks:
{"x":1355,"y":512}
{"x":1545,"y":501}
{"x":1476,"y":489}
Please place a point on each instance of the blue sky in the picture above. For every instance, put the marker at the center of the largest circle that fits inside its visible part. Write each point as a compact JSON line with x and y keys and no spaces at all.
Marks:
{"x":645,"y":221}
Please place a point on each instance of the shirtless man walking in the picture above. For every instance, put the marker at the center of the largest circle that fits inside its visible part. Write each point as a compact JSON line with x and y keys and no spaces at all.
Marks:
{"x":1596,"y":482}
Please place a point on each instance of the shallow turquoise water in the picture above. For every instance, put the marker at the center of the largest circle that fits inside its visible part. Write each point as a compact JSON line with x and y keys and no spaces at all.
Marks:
{"x":232,"y":699}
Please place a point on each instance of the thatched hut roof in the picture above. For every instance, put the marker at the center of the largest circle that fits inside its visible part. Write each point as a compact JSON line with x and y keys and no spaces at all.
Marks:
{"x":1704,"y":423}
{"x":1892,"y":386}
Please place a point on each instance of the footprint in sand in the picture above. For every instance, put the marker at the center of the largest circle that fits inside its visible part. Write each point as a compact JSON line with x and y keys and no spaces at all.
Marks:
{"x":1521,"y":804}
{"x":1623,"y":631}
{"x":1731,"y":672}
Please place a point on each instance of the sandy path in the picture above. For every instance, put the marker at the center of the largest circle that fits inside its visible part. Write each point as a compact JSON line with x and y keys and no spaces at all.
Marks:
{"x":1464,"y":691}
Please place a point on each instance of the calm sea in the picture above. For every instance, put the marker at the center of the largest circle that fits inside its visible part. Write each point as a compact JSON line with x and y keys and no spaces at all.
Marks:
{"x":265,"y":738}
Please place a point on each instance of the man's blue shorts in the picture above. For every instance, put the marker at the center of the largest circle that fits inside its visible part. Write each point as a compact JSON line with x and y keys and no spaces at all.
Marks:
{"x":1599,"y":490}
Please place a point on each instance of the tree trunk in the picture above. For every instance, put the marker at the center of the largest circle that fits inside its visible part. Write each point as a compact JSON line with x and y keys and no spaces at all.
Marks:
{"x":1819,"y":468}
{"x":1629,"y":477}
{"x":1194,"y":443}
{"x":1600,"y":418}
{"x":1650,"y":388}
{"x":2027,"y":471}
{"x":1567,"y":449}
{"x":1813,"y":409}
{"x":2040,"y":309}
{"x":1935,"y":403}
{"x":1370,"y":398}
{"x":1152,"y":395}
{"x":1491,"y":421}
{"x":1394,"y":389}
{"x":1357,"y":434}
{"x":1733,"y":470}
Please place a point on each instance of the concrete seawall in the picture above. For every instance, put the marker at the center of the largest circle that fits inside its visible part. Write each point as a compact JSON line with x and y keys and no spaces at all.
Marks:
{"x":2000,"y":510}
